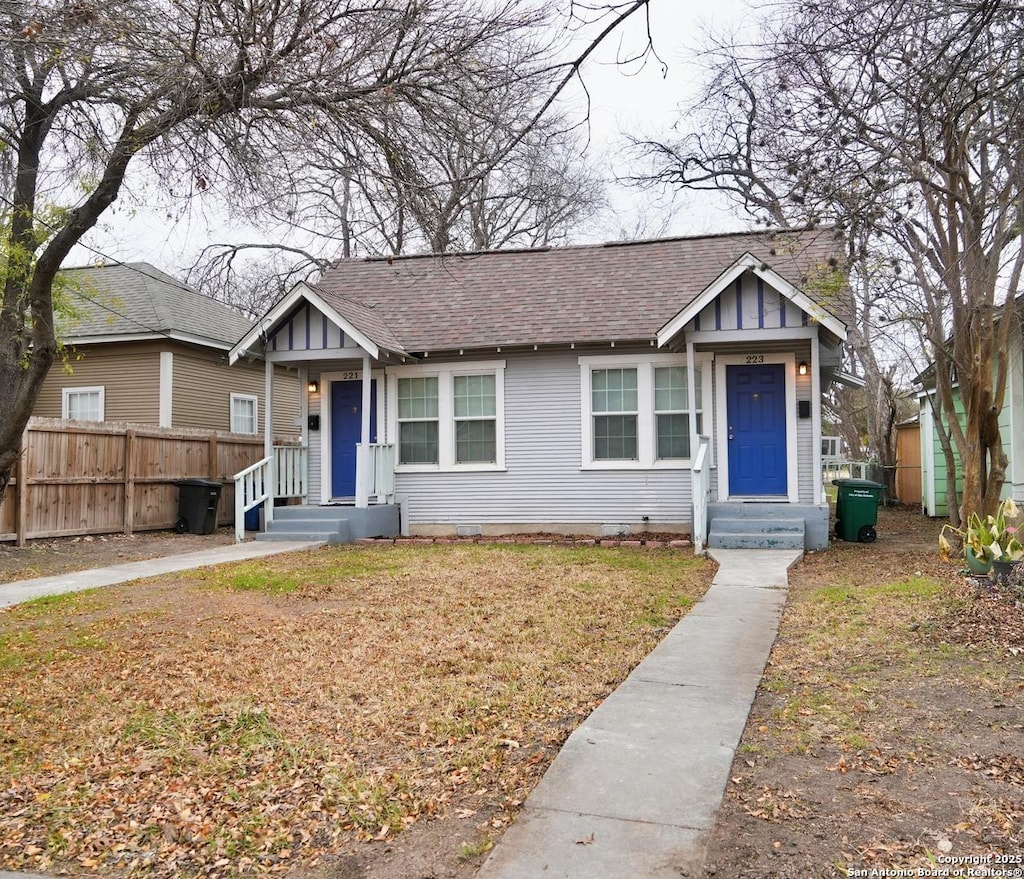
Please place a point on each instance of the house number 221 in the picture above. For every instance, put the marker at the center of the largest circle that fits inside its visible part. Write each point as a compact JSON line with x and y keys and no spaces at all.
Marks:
{"x":755,"y":358}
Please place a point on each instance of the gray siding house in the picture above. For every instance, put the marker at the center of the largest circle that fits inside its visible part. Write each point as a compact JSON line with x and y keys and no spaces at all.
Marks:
{"x":667,"y":385}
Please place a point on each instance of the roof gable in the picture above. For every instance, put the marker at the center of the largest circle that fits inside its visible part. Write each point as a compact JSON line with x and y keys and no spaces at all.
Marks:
{"x":749,"y":263}
{"x":349,"y":319}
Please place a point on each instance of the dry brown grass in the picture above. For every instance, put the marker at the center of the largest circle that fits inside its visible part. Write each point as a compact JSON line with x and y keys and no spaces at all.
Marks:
{"x":241,"y":719}
{"x":887,"y":727}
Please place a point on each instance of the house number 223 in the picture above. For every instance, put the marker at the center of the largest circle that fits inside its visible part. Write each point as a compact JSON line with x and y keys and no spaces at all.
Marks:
{"x":755,"y":358}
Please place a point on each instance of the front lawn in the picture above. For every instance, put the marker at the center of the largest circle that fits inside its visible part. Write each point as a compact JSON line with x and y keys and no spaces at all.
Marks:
{"x":253,"y":717}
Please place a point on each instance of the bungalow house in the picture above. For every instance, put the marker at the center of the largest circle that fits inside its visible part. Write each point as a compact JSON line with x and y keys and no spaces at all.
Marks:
{"x":668,"y":385}
{"x":144,"y":348}
{"x":934,"y":482}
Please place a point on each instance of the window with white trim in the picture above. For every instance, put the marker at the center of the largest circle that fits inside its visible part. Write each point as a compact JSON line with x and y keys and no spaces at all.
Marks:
{"x":613,"y":402}
{"x":476,"y":419}
{"x":450,"y":417}
{"x":637,"y":411}
{"x":82,"y":404}
{"x":417,"y":420}
{"x":244,"y":414}
{"x":672,"y":412}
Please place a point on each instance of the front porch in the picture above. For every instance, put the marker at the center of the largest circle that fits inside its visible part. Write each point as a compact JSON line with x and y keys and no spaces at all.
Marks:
{"x":751,"y":524}
{"x":283,"y":476}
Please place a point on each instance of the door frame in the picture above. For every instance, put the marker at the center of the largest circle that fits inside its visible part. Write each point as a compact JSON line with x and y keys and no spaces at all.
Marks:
{"x":326,"y":439}
{"x":722,"y":423}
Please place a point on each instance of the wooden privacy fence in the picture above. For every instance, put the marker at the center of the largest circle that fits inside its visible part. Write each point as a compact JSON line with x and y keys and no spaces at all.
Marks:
{"x":98,"y":478}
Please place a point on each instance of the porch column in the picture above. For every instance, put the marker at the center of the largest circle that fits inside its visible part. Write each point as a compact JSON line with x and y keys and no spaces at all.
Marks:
{"x":691,"y":392}
{"x":268,"y":441}
{"x":819,"y":487}
{"x":268,"y":408}
{"x":363,"y":450}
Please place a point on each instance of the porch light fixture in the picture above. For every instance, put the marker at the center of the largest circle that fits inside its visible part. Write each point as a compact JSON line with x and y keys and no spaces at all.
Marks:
{"x":313,"y":386}
{"x":802,"y":368}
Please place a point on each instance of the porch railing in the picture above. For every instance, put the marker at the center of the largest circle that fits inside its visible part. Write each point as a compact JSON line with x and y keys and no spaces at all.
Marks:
{"x":701,"y":483}
{"x":252,"y":488}
{"x":380,"y":471}
{"x":292,"y":471}
{"x":286,"y":470}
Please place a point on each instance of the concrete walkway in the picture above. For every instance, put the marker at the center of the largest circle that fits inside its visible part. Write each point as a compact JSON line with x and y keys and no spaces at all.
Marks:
{"x":635,"y":789}
{"x":25,"y":590}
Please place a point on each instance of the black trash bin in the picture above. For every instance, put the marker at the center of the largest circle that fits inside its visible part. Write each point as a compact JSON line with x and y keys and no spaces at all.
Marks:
{"x":857,"y":509}
{"x":197,"y":506}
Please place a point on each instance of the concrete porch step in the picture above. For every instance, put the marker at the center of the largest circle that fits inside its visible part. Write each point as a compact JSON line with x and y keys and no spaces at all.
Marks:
{"x":756,"y":533}
{"x":329,"y":530}
{"x":333,"y":524}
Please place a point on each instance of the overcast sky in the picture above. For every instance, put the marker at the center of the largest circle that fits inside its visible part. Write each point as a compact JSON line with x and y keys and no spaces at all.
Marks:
{"x":640,"y":101}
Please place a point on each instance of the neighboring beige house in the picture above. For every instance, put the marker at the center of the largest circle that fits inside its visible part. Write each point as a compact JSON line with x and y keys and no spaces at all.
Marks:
{"x":144,"y":348}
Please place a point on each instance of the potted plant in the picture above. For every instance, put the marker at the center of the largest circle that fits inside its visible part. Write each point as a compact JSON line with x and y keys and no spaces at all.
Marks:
{"x":989,"y":541}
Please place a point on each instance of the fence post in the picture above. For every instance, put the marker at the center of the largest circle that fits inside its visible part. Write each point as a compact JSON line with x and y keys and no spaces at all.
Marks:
{"x":129,"y":481}
{"x":21,"y":493}
{"x":214,"y":463}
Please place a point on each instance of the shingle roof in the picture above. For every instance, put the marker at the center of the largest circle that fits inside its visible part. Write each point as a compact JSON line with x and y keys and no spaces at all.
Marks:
{"x":602,"y":293}
{"x":136,"y":299}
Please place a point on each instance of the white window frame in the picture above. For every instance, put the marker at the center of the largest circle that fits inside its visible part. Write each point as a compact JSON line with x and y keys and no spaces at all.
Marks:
{"x":647,"y":434}
{"x":472,"y":419}
{"x":690,"y":412}
{"x":634,"y":413}
{"x":255,"y":413}
{"x":445,"y":374}
{"x":67,"y":393}
{"x":426,"y":419}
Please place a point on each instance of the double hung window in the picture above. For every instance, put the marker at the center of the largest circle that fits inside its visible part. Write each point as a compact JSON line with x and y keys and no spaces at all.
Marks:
{"x":450,"y":418}
{"x":417,"y":420}
{"x":243,"y":414}
{"x":638,"y":414}
{"x":82,"y":404}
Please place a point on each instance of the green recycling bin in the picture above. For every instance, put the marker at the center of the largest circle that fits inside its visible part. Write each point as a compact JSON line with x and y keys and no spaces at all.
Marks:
{"x":857,"y":509}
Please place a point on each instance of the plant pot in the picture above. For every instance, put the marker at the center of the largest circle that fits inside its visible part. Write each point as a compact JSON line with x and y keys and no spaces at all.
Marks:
{"x":976,"y":564}
{"x":1002,"y":570}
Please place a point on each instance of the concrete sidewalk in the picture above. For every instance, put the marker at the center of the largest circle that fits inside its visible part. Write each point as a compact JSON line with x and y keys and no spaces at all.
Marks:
{"x":635,"y":789}
{"x":25,"y":590}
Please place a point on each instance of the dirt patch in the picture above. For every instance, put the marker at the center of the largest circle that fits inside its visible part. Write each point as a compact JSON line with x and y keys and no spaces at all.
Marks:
{"x":48,"y":558}
{"x":887,"y":730}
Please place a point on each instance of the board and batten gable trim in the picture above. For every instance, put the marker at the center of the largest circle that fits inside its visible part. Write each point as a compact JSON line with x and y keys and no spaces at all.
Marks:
{"x":693,"y":316}
{"x":299,"y":293}
{"x":309,"y":329}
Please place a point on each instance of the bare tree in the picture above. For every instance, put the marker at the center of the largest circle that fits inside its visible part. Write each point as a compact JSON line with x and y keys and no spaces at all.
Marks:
{"x":474,"y":183}
{"x":205,"y":91}
{"x":900,"y":121}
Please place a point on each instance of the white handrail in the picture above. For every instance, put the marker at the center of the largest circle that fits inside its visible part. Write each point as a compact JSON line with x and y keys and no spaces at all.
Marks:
{"x":701,"y":485}
{"x":252,"y":487}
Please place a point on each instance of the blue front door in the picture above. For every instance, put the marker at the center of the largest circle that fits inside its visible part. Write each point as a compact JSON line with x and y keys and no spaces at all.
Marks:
{"x":756,"y":412}
{"x":346,"y":431}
